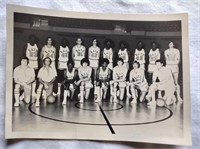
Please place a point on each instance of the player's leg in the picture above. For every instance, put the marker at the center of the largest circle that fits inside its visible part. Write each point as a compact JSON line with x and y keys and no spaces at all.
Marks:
{"x":88,"y":86}
{"x":97,"y":92}
{"x":178,"y":92}
{"x":66,"y":93}
{"x":128,"y":90}
{"x":169,"y":91}
{"x":153,"y":88}
{"x":27,"y":93}
{"x":82,"y":86}
{"x":16,"y":94}
{"x":143,"y":89}
{"x":115,"y":91}
{"x":133,"y":94}
{"x":122,"y":86}
{"x":72,"y":89}
{"x":104,"y":90}
{"x":38,"y":94}
{"x":49,"y":91}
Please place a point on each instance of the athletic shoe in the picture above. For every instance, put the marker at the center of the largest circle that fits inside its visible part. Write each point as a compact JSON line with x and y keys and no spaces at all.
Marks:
{"x":134,"y":101}
{"x":16,"y":104}
{"x":37,"y":104}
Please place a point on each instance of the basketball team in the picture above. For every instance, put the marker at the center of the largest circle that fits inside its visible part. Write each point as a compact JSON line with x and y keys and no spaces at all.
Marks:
{"x":78,"y":71}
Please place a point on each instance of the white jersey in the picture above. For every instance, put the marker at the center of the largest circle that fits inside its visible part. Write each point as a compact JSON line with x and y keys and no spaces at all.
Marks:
{"x":123,"y":54}
{"x":94,"y":53}
{"x":108,"y":54}
{"x":119,"y":73}
{"x":63,"y":54}
{"x":138,"y":75}
{"x":32,"y":52}
{"x":103,"y":74}
{"x":153,"y":56}
{"x":79,"y":52}
{"x":70,"y":75}
{"x":49,"y":52}
{"x":139,"y":56}
{"x":85,"y":72}
{"x":172,"y":56}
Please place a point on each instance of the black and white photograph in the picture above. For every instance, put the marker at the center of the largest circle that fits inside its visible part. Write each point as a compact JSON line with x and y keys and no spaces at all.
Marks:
{"x":91,"y":76}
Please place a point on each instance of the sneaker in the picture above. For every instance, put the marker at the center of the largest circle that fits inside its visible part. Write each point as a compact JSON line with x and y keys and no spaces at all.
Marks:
{"x":128,"y":95}
{"x":37,"y":104}
{"x":16,"y":104}
{"x":21,"y":97}
{"x":180,"y":99}
{"x":151,"y":103}
{"x":133,"y":101}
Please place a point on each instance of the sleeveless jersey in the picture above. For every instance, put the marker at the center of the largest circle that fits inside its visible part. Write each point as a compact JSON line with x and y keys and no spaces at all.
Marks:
{"x":108,"y":54}
{"x":153,"y":56}
{"x":84,"y":72}
{"x":63,"y":54}
{"x":32,"y":52}
{"x":49,"y":52}
{"x":70,"y":75}
{"x":139,"y":56}
{"x":138,"y":74}
{"x":79,"y":52}
{"x":172,"y":55}
{"x":94,"y":53}
{"x":120,"y":72}
{"x":103,"y":74}
{"x":123,"y":54}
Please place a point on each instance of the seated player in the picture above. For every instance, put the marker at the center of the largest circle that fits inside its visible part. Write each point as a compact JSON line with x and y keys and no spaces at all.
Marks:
{"x":163,"y":81}
{"x":85,"y":81}
{"x":119,"y":79}
{"x":24,"y":75}
{"x":102,"y":80}
{"x":70,"y":75}
{"x":46,"y":77}
{"x":138,"y":82}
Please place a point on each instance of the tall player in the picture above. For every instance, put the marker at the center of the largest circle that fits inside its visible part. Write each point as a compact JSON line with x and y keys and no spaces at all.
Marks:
{"x":70,"y":75}
{"x":119,"y":79}
{"x":85,"y":82}
{"x":172,"y":56}
{"x":78,"y":53}
{"x":108,"y":52}
{"x":31,"y":51}
{"x":46,"y":76}
{"x":138,"y":82}
{"x":102,"y":80}
{"x":62,"y":61}
{"x":139,"y":54}
{"x":24,"y":75}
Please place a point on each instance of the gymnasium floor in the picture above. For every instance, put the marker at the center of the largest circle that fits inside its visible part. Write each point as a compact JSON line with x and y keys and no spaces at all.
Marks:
{"x":106,"y":117}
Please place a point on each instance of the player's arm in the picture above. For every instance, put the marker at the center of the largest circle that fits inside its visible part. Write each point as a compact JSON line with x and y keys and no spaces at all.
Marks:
{"x":177,"y":57}
{"x":109,"y":76}
{"x":41,"y":54}
{"x":133,"y":56}
{"x":32,"y":77}
{"x":88,"y":54}
{"x":129,"y":56}
{"x":130,"y":77}
{"x":24,"y":50}
{"x":154,"y":77}
{"x":97,"y":75}
{"x":167,"y":58}
{"x":73,"y":52}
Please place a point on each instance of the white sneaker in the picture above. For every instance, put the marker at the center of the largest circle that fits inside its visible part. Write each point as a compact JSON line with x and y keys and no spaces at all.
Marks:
{"x":180,"y":99}
{"x":37,"y":104}
{"x":118,"y":93}
{"x":151,"y":103}
{"x":128,"y":95}
{"x":134,"y":101}
{"x":64,"y":103}
{"x":16,"y":104}
{"x":54,"y":94}
{"x":21,"y":97}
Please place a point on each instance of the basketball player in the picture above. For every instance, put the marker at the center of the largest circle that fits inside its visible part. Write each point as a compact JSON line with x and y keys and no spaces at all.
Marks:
{"x":138,"y":82}
{"x":46,"y":76}
{"x":172,"y":56}
{"x":103,"y":77}
{"x":70,"y":75}
{"x":163,"y":81}
{"x":85,"y":82}
{"x":31,"y":51}
{"x":93,"y":55}
{"x":62,"y":61}
{"x":119,"y":79}
{"x":78,"y":53}
{"x":108,"y":52}
{"x":139,"y":54}
{"x":24,"y":75}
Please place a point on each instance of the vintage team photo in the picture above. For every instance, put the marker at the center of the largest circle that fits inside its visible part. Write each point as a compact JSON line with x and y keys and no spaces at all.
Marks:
{"x":113,"y":76}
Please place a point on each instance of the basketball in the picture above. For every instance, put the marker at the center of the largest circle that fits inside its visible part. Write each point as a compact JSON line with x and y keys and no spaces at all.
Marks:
{"x":160,"y":102}
{"x":51,"y":99}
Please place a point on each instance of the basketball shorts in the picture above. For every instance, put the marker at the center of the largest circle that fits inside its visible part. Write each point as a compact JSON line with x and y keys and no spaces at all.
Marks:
{"x":33,"y":64}
{"x":110,"y":66}
{"x":88,"y":84}
{"x":173,"y":68}
{"x":27,"y":90}
{"x":102,"y":85}
{"x":152,"y":68}
{"x":62,"y":65}
{"x":120,"y":84}
{"x":94,"y":63}
{"x":143,"y":87}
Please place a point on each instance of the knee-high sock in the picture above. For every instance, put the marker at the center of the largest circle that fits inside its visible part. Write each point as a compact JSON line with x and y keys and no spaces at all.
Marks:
{"x":16,"y":99}
{"x":38,"y":98}
{"x":59,"y":88}
{"x":127,"y":91}
{"x":81,"y":93}
{"x":33,"y":88}
{"x":133,"y":93}
{"x":97,"y":92}
{"x":178,"y":92}
{"x":65,"y":96}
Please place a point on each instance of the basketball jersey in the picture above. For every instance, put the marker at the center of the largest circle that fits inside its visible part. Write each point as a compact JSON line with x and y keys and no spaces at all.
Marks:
{"x":32,"y":52}
{"x":85,"y":72}
{"x":108,"y":54}
{"x":103,"y":74}
{"x":63,"y":54}
{"x":153,"y":56}
{"x":94,"y":52}
{"x":70,"y":75}
{"x":164,"y":74}
{"x":139,"y":56}
{"x":120,"y":72}
{"x":49,"y":52}
{"x":79,"y":52}
{"x":123,"y":54}
{"x":138,"y":74}
{"x":171,"y":56}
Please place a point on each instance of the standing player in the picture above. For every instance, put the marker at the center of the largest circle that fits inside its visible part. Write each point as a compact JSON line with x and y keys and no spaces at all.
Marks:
{"x":139,"y":54}
{"x":163,"y":81}
{"x":23,"y":77}
{"x":108,"y":52}
{"x":46,"y":76}
{"x":138,"y":82}
{"x":62,"y":61}
{"x":119,"y":79}
{"x":102,"y":80}
{"x":85,"y":82}
{"x":70,"y":75}
{"x":172,"y":56}
{"x":154,"y":54}
{"x":78,"y":53}
{"x":31,"y":51}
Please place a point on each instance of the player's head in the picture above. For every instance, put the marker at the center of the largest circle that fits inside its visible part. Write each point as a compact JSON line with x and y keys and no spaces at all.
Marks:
{"x":120,"y":61}
{"x":79,"y":41}
{"x":153,"y":45}
{"x":24,"y":61}
{"x":171,"y":44}
{"x":104,"y":62}
{"x":140,"y":45}
{"x":108,"y":43}
{"x":85,"y":62}
{"x":64,"y":42}
{"x":47,"y":61}
{"x":70,"y":64}
{"x":136,"y":65}
{"x":160,"y":63}
{"x":49,"y":40}
{"x":94,"y":42}
{"x":123,"y":44}
{"x":32,"y":39}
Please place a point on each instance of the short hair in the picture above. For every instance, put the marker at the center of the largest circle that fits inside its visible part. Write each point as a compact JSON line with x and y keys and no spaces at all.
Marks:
{"x":70,"y":62}
{"x":104,"y":60}
{"x":64,"y":39}
{"x":96,"y":41}
{"x":120,"y":59}
{"x":111,"y":42}
{"x":48,"y":38}
{"x":25,"y":58}
{"x":47,"y":58}
{"x":123,"y":42}
{"x":161,"y":61}
{"x":32,"y":36}
{"x":85,"y":60}
{"x":137,"y":63}
{"x":171,"y":42}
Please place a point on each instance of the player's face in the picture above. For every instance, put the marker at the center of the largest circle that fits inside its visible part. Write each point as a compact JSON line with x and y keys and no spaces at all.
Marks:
{"x":85,"y":64}
{"x":49,"y":41}
{"x":119,"y":63}
{"x":122,"y":46}
{"x":104,"y":64}
{"x":24,"y":62}
{"x":108,"y":43}
{"x":171,"y":45}
{"x":47,"y":62}
{"x":64,"y":43}
{"x":135,"y":65}
{"x":32,"y":40}
{"x":79,"y":41}
{"x":94,"y":42}
{"x":70,"y":66}
{"x":153,"y":45}
{"x":140,"y":45}
{"x":159,"y":65}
